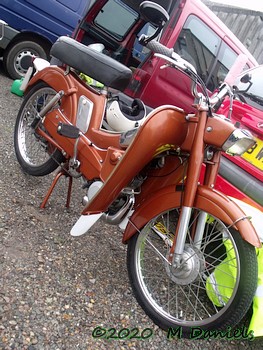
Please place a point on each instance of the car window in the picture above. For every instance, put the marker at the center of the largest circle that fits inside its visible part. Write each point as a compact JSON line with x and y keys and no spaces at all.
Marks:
{"x":125,"y":18}
{"x":202,"y":47}
{"x":223,"y":63}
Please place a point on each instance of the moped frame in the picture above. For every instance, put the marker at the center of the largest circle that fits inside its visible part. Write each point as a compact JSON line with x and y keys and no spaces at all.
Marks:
{"x":100,"y":160}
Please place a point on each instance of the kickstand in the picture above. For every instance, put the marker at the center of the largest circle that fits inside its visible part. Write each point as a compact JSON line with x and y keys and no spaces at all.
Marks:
{"x":62,"y":172}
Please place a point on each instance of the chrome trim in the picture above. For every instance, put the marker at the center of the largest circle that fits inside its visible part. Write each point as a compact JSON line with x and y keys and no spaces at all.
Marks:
{"x":84,"y":113}
{"x":117,"y":218}
{"x":127,"y":137}
{"x":183,"y":229}
{"x":199,"y":232}
{"x":238,"y":142}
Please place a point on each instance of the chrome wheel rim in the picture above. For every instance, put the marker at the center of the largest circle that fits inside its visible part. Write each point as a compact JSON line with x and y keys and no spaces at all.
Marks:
{"x":32,"y":147}
{"x":177,"y":296}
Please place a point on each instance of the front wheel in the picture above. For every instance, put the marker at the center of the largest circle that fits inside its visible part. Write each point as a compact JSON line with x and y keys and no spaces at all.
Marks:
{"x":212,"y":287}
{"x":35,"y":155}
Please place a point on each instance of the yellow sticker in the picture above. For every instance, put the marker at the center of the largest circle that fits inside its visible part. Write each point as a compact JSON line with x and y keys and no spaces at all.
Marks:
{"x":164,"y":148}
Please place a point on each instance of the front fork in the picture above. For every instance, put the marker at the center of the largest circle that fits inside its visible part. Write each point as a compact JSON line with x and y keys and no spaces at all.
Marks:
{"x":184,"y":220}
{"x":192,"y":181}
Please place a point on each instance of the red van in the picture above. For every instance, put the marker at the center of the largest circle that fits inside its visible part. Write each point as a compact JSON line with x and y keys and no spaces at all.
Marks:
{"x":247,"y":172}
{"x":198,"y":36}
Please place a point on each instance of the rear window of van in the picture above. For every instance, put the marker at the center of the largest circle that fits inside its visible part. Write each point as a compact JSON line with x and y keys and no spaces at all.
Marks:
{"x":124,"y":15}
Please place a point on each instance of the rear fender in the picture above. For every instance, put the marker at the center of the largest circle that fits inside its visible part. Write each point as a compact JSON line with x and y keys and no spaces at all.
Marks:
{"x":55,"y":77}
{"x":207,"y":199}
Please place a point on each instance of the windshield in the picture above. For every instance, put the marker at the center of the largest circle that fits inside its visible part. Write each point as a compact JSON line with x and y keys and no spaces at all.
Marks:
{"x":251,"y":91}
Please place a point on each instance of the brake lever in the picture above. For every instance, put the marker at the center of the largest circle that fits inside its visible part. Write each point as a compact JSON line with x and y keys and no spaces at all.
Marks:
{"x":172,"y":61}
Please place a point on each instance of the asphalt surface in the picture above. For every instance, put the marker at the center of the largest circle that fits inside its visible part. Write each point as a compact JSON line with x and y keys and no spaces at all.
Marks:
{"x":59,"y":292}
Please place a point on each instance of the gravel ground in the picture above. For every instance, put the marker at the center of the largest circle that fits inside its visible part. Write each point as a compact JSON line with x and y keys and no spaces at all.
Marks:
{"x":55,"y":289}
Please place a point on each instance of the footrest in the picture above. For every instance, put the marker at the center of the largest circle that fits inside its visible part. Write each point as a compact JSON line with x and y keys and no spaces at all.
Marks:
{"x":68,"y":130}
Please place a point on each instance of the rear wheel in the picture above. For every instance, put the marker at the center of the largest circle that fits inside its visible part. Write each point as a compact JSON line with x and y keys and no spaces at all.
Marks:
{"x":189,"y":296}
{"x":36,"y":156}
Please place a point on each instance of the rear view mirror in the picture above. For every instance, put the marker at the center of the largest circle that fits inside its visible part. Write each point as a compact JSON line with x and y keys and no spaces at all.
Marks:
{"x":246,"y":78}
{"x":154,"y":13}
{"x":246,"y":83}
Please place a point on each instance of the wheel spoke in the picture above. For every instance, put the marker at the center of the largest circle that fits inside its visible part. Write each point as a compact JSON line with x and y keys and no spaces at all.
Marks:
{"x":31,"y":147}
{"x":35,"y":155}
{"x":179,"y":293}
{"x":157,"y":251}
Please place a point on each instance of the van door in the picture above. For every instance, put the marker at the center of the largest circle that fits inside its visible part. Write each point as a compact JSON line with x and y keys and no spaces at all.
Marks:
{"x":33,"y":26}
{"x":204,"y":49}
{"x":54,"y":15}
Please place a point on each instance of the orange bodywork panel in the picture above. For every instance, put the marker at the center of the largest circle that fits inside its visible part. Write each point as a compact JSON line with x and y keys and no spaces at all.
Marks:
{"x":166,"y":128}
{"x":207,"y":200}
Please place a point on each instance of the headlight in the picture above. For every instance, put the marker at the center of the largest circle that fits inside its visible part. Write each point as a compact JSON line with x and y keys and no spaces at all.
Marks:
{"x":238,"y":142}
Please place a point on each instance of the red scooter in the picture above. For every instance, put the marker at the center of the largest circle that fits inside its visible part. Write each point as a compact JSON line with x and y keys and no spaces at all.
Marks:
{"x":142,"y":172}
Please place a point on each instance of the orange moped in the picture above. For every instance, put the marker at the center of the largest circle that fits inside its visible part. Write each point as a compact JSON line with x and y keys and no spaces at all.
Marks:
{"x":142,"y":173}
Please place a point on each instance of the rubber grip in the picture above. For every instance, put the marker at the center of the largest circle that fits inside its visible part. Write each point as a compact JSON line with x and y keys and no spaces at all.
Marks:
{"x":156,"y":47}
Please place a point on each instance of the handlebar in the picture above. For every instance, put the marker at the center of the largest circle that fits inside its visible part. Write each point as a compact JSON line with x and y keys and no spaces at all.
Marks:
{"x":156,"y":47}
{"x":164,"y":52}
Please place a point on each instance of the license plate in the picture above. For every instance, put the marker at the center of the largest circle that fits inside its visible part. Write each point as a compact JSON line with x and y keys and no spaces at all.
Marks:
{"x":255,"y":154}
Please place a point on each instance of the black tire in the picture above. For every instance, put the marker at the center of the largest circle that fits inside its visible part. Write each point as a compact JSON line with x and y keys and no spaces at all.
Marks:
{"x":18,"y":57}
{"x":178,"y":299}
{"x":35,"y":155}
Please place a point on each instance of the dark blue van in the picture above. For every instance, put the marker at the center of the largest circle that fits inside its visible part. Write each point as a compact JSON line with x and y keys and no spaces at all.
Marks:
{"x":33,"y":26}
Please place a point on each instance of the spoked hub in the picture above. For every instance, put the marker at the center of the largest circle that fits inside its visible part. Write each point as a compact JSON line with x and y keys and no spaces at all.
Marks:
{"x":190,"y":267}
{"x":215,"y":267}
{"x":35,"y":154}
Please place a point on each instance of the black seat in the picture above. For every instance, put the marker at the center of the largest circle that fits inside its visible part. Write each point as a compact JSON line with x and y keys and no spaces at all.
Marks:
{"x":92,"y":63}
